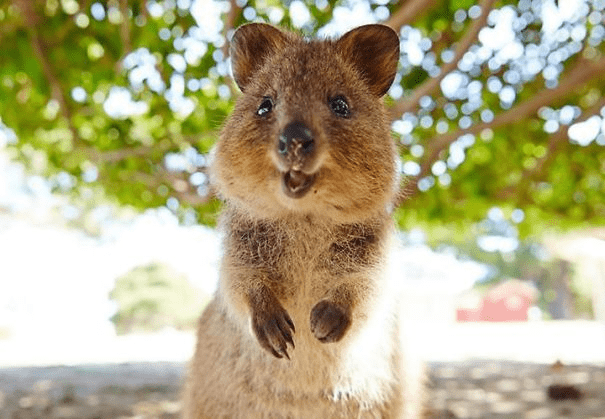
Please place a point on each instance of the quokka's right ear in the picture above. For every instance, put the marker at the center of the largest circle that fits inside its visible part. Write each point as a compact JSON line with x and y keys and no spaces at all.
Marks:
{"x":250,"y":46}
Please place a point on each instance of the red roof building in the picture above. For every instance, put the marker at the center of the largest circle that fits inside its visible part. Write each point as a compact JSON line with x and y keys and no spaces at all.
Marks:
{"x":507,"y":301}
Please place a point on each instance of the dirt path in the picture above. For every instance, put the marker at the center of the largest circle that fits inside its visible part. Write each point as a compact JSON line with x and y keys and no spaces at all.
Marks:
{"x":478,"y":389}
{"x":144,"y":390}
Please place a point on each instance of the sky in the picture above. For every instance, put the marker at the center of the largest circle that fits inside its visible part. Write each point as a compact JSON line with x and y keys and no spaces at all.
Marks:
{"x":55,"y":278}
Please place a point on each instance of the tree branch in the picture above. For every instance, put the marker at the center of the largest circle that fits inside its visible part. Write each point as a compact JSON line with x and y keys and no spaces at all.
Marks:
{"x":143,"y":8}
{"x":234,"y":12}
{"x":409,"y":11}
{"x":125,"y":29}
{"x":181,"y":188}
{"x":161,"y":146}
{"x":178,"y":183}
{"x":32,"y":20}
{"x":554,"y":142}
{"x":410,"y":103}
{"x":232,"y":15}
{"x":584,"y":71}
{"x":113,"y":156}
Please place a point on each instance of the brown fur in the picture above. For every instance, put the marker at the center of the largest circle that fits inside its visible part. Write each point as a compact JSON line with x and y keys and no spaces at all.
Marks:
{"x":303,"y":324}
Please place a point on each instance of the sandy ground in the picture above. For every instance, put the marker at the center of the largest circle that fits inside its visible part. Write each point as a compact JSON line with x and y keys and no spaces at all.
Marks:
{"x":142,"y":390}
{"x":484,"y":371}
{"x":475,"y":389}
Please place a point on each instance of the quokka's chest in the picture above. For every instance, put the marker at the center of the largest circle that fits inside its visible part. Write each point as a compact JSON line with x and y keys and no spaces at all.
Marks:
{"x":283,"y":249}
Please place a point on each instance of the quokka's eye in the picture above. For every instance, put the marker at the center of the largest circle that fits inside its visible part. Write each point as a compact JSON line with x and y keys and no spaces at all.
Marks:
{"x":266,"y":106}
{"x":340,"y":107}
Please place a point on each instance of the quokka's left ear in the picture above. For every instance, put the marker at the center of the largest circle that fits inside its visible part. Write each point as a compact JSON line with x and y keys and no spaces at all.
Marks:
{"x":374,"y":52}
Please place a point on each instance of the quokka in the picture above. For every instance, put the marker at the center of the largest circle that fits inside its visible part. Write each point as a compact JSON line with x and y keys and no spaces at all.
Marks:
{"x":303,"y":324}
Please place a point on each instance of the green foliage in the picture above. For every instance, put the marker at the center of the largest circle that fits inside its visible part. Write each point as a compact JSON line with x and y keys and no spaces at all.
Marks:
{"x":152,"y":297}
{"x":67,"y":68}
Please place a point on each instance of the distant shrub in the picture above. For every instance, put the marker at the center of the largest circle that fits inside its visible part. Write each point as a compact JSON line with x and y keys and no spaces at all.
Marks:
{"x":153,"y":297}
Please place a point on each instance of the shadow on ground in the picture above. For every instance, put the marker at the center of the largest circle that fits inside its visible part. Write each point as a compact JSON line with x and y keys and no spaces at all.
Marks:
{"x":476,"y":389}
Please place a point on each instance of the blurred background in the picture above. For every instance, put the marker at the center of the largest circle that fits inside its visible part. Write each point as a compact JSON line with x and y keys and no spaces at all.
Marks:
{"x":108,"y":110}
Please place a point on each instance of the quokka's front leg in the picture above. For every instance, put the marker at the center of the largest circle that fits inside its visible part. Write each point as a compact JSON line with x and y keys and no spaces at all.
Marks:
{"x":250,"y":299}
{"x":270,"y":322}
{"x":330,"y":320}
{"x":252,"y":283}
{"x":333,"y":315}
{"x":350,"y":264}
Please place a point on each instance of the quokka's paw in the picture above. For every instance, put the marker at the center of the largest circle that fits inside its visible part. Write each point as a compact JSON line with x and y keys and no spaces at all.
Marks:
{"x":273,"y":328}
{"x":329,"y":321}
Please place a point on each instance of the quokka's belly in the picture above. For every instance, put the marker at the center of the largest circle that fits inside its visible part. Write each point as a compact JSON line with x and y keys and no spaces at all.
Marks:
{"x":231,"y":376}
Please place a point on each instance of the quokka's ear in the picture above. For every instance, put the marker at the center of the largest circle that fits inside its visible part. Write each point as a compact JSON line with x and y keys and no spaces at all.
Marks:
{"x":250,"y":46}
{"x":374,"y":52}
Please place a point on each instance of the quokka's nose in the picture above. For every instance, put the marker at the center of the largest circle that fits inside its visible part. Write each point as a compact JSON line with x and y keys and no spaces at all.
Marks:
{"x":295,"y":141}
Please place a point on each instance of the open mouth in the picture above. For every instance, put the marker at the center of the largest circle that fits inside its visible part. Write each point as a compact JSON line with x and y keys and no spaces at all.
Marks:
{"x":296,"y":183}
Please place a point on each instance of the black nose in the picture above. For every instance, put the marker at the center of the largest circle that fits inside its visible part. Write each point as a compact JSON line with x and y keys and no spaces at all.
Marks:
{"x":296,"y":140}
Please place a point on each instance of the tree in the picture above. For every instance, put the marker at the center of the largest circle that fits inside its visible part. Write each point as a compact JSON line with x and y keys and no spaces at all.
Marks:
{"x":497,"y":103}
{"x":151,"y":297}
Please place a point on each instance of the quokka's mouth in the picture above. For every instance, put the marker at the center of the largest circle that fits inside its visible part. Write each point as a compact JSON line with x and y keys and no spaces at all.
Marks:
{"x":296,"y":184}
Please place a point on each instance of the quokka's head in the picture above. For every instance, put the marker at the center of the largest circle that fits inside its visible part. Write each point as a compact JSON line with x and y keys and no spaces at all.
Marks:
{"x":309,"y":135}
